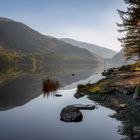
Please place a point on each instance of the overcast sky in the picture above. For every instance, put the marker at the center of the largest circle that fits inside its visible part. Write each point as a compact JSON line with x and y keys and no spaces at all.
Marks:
{"x":92,"y":21}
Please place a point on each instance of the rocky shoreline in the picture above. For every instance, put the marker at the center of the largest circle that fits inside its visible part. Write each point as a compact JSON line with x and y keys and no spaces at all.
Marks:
{"x":119,"y":91}
{"x":127,"y":111}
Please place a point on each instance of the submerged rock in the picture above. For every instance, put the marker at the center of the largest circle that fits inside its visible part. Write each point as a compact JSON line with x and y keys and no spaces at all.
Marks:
{"x":84,"y":107}
{"x":71,"y":114}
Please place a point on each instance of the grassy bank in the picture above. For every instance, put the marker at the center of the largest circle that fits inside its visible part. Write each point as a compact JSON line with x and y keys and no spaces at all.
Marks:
{"x":116,"y":80}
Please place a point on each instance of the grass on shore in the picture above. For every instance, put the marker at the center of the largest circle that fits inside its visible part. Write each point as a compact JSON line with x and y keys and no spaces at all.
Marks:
{"x":125,"y":76}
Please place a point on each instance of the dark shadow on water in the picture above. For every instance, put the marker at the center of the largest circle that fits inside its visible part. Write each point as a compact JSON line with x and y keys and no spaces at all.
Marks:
{"x":50,"y":86}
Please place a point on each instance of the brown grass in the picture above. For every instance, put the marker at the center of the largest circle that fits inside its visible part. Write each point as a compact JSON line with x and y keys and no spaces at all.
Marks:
{"x":50,"y":86}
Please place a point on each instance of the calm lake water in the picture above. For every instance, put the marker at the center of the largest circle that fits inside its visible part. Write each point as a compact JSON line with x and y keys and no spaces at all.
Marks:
{"x":27,"y":113}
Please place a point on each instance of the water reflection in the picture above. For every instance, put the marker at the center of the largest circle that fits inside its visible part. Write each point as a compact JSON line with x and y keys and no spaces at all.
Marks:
{"x":39,"y":119}
{"x":50,"y":87}
{"x":19,"y":86}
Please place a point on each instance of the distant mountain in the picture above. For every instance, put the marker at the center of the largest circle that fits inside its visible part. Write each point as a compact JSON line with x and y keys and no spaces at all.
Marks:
{"x":119,"y":59}
{"x":19,"y":37}
{"x":94,"y":49}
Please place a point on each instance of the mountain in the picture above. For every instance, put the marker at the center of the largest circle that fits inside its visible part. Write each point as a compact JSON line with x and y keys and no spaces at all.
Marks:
{"x":119,"y":59}
{"x":94,"y":49}
{"x":20,"y":38}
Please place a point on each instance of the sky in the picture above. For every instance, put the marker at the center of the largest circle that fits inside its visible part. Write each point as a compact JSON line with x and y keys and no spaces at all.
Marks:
{"x":92,"y":21}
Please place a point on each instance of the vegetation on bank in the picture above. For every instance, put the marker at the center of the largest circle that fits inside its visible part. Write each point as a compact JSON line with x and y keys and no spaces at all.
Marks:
{"x":119,"y":80}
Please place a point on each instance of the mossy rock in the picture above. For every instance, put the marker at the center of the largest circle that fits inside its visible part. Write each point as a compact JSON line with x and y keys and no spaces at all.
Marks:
{"x":126,"y":68}
{"x":95,"y":90}
{"x":81,"y":86}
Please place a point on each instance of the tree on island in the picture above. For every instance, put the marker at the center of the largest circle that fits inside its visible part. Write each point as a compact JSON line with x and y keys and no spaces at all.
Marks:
{"x":131,"y":28}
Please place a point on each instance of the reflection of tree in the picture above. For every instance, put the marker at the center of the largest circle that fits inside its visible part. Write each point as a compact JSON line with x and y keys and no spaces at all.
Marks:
{"x":8,"y":72}
{"x":12,"y":71}
{"x":50,"y":86}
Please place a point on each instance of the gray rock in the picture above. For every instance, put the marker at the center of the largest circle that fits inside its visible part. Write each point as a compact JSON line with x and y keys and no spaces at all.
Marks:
{"x":58,"y":95}
{"x":122,"y":105}
{"x":84,"y":107}
{"x":79,"y":95}
{"x":126,"y":90}
{"x":136,"y":130}
{"x":109,"y":71}
{"x":71,"y":114}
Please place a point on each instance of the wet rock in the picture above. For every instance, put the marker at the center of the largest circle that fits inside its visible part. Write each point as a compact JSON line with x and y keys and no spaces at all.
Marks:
{"x":105,"y":73}
{"x":122,"y":106}
{"x":109,"y":71}
{"x":126,"y":90}
{"x":136,"y":131}
{"x":58,"y":95}
{"x":71,"y":114}
{"x":79,"y":95}
{"x":84,"y":107}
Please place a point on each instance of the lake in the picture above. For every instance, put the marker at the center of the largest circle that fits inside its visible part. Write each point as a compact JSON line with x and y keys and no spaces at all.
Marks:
{"x":28,"y":111}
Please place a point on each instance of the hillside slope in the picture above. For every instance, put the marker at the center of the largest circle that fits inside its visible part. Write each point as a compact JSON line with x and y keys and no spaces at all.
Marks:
{"x":119,"y":59}
{"x":94,"y":49}
{"x":21,"y":38}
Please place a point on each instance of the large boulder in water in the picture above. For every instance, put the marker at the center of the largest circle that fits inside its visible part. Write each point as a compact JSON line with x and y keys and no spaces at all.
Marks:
{"x":71,"y":114}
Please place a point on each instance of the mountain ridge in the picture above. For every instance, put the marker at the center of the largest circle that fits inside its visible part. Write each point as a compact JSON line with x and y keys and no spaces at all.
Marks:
{"x":19,"y":37}
{"x":94,"y":49}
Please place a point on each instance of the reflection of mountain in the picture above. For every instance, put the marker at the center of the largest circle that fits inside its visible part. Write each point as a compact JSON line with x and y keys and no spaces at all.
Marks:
{"x":27,"y":87}
{"x":18,"y":92}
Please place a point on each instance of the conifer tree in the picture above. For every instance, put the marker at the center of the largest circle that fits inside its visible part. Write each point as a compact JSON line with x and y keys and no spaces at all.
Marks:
{"x":131,"y":29}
